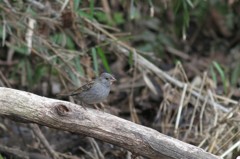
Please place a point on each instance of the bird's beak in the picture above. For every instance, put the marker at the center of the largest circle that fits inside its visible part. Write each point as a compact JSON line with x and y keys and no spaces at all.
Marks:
{"x":112,"y":79}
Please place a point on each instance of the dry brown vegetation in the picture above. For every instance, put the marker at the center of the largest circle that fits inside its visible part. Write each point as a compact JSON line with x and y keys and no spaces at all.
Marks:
{"x":177,"y":65}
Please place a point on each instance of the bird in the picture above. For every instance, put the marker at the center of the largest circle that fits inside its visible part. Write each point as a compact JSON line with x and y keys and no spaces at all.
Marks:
{"x":94,"y":92}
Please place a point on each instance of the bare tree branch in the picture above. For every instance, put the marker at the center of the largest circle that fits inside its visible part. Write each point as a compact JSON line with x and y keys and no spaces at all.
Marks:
{"x":140,"y":140}
{"x":14,"y":152}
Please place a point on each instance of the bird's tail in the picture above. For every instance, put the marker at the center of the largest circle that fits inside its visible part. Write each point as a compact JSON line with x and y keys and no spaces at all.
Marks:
{"x":63,"y":95}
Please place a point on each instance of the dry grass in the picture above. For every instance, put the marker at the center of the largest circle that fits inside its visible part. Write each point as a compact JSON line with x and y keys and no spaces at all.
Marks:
{"x":190,"y":110}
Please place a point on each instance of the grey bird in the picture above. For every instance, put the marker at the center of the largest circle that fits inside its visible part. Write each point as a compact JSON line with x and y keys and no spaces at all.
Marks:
{"x":95,"y":91}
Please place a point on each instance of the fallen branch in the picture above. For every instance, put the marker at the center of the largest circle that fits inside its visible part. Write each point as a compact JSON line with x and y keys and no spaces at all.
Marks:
{"x":140,"y":140}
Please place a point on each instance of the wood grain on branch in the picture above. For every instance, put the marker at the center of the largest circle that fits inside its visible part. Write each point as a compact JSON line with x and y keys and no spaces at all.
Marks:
{"x":28,"y":107}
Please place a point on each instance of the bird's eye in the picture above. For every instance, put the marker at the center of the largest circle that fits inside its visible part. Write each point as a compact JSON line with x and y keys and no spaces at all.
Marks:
{"x":107,"y":78}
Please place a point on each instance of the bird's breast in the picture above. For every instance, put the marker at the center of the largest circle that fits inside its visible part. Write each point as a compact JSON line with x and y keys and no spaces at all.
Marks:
{"x":96,"y":94}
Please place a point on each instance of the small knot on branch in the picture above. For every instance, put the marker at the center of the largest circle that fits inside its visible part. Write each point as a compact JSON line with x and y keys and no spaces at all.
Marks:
{"x":62,"y":110}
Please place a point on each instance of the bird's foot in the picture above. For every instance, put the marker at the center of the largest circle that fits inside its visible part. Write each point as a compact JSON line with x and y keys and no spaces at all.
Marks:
{"x":101,"y":108}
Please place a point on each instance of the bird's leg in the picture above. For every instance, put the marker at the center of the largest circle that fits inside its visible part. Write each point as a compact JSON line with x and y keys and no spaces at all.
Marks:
{"x":102,"y":106}
{"x":96,"y":107}
{"x":82,"y":104}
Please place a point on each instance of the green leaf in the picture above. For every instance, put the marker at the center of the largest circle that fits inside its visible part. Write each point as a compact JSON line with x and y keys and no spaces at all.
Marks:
{"x":185,"y":15}
{"x":176,"y":6}
{"x":19,"y":66}
{"x":58,"y":38}
{"x":118,"y":18}
{"x":181,"y":11}
{"x":104,"y":59}
{"x":133,"y":11}
{"x":74,"y":78}
{"x":190,"y":3}
{"x":101,"y":17}
{"x":150,"y":3}
{"x":91,"y":8}
{"x":1,"y":157}
{"x":130,"y":59}
{"x":83,"y":14}
{"x":213,"y":74}
{"x":222,"y":74}
{"x":76,"y":4}
{"x":95,"y":63}
{"x":235,"y":75}
{"x":219,"y":69}
{"x":63,"y":40}
{"x":22,"y":49}
{"x":78,"y":65}
{"x":70,"y":43}
{"x":39,"y":72}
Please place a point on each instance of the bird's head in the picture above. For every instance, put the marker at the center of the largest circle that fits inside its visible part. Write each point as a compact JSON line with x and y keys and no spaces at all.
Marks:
{"x":107,"y":78}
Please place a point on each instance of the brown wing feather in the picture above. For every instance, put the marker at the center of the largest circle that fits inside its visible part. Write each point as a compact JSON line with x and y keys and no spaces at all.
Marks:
{"x":82,"y":88}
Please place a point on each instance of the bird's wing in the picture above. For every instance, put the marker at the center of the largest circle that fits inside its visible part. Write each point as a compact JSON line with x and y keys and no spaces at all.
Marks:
{"x":82,"y":88}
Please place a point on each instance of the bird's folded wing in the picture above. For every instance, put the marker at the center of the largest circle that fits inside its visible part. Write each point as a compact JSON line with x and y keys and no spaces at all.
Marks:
{"x":82,"y":88}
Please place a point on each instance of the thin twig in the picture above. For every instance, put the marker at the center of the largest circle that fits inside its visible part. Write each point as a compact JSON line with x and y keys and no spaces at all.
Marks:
{"x":195,"y":108}
{"x":180,"y":109}
{"x":230,"y":139}
{"x":95,"y":146}
{"x":201,"y":115}
{"x":237,"y":144}
{"x":15,"y":152}
{"x":29,"y":34}
{"x":43,"y":140}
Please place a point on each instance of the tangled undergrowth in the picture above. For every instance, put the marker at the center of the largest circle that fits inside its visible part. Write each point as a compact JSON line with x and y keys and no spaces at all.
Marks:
{"x":192,"y":95}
